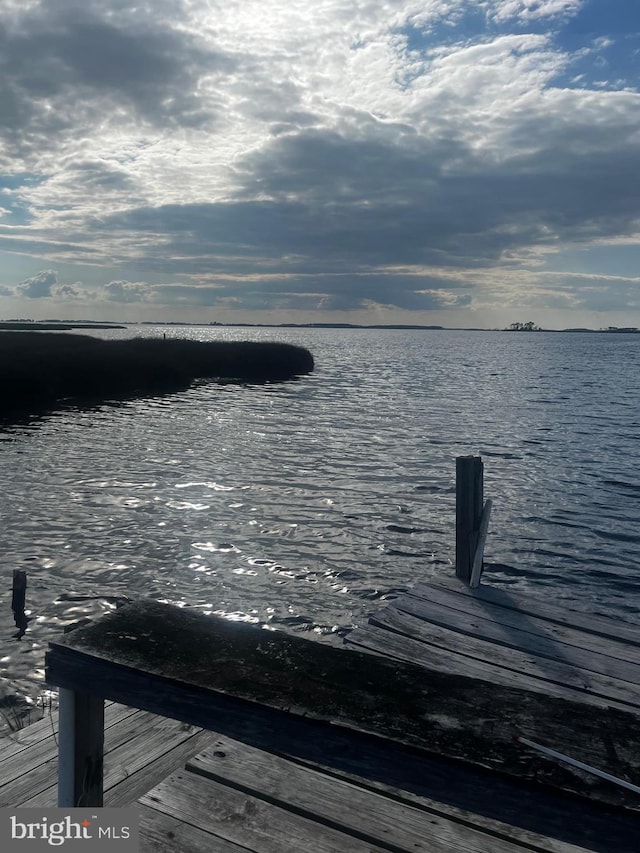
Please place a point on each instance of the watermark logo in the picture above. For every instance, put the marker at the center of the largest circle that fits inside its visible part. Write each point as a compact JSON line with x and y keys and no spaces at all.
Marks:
{"x":36,"y":830}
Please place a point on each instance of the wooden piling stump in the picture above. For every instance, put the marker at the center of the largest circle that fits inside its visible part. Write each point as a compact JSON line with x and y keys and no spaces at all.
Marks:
{"x":469,"y":505}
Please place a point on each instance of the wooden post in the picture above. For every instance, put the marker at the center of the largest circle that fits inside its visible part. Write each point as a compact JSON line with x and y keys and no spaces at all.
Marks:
{"x":19,"y":591}
{"x":80,"y":750}
{"x":18,"y":598}
{"x":469,"y":504}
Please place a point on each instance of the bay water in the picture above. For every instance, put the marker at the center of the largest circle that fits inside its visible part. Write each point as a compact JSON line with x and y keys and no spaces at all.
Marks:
{"x":305,"y":506}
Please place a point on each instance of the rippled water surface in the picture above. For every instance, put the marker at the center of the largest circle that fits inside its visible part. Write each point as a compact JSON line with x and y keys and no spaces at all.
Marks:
{"x":305,"y":504}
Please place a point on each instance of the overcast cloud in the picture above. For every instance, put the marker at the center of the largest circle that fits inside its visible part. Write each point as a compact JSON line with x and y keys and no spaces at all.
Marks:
{"x":450,"y":161}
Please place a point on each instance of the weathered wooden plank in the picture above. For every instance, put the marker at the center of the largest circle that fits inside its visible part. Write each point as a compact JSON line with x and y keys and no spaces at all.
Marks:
{"x":510,"y":658}
{"x":161,"y":833}
{"x":396,"y":646}
{"x":132,"y":769}
{"x":616,"y":629}
{"x":247,"y":821}
{"x":46,"y":730}
{"x":25,"y":777}
{"x":460,"y":790}
{"x":517,"y":636}
{"x":122,"y":790}
{"x":476,"y":569}
{"x":478,"y":607}
{"x":417,"y":825}
{"x":140,"y":750}
{"x":599,"y":736}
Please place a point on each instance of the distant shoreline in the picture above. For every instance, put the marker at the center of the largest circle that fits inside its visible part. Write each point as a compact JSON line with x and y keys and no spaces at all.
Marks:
{"x":66,"y":325}
{"x":55,"y":326}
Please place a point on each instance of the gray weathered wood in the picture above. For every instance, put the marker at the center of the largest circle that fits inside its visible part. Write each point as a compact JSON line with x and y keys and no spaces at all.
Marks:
{"x":411,"y":823}
{"x":138,"y":757}
{"x":476,"y":568}
{"x":266,"y":688}
{"x":512,"y":659}
{"x":535,"y":642}
{"x":80,"y":749}
{"x":398,"y":646}
{"x":161,"y":833}
{"x":475,"y":606}
{"x":19,"y":591}
{"x":616,"y":629}
{"x":141,"y":749}
{"x":39,"y":741}
{"x":469,"y":505}
{"x":247,"y":821}
{"x":458,"y":791}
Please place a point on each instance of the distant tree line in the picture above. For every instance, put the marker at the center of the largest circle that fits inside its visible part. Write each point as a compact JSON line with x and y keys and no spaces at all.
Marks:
{"x":530,"y":326}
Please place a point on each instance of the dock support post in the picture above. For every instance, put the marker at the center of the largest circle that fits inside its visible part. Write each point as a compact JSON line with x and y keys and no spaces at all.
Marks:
{"x":18,"y":598}
{"x":469,"y":505}
{"x":80,"y":750}
{"x":19,"y":591}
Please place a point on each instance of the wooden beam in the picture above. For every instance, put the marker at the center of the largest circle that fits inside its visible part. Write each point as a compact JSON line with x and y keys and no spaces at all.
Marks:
{"x":270,"y":689}
{"x":80,"y":750}
{"x":469,"y":504}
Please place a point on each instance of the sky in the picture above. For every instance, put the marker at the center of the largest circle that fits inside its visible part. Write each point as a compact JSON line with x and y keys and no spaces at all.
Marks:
{"x":450,"y":162}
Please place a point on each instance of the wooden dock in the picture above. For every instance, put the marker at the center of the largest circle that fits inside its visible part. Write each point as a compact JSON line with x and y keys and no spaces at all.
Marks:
{"x":325,"y":749}
{"x":503,"y":638}
{"x":422,"y":735}
{"x":590,"y":663}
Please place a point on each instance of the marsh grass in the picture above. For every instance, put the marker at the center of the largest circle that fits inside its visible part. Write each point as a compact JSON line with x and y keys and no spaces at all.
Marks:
{"x":18,"y":714}
{"x":39,"y":369}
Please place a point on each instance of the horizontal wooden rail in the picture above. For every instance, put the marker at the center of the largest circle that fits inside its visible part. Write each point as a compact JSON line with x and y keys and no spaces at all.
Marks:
{"x":280,"y":692}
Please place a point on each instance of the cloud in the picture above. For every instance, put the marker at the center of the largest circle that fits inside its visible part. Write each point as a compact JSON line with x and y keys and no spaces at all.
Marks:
{"x":38,"y":286}
{"x":527,"y":10}
{"x":127,"y":291}
{"x":72,"y":292}
{"x":66,"y":62}
{"x":299,"y":159}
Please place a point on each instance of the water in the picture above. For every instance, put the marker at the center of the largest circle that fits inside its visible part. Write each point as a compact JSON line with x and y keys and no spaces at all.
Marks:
{"x":305,"y":505}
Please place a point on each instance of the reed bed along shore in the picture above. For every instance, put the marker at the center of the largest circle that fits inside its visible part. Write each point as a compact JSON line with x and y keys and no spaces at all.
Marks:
{"x":39,"y":370}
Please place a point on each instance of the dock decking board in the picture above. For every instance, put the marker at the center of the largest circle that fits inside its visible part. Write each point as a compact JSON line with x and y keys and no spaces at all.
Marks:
{"x":391,"y":816}
{"x":162,"y":833}
{"x":46,"y":729}
{"x":140,"y":750}
{"x":486,"y":627}
{"x":397,"y":646}
{"x":556,"y":638}
{"x":286,"y":812}
{"x":510,"y":658}
{"x":591,"y":624}
{"x":450,"y":628}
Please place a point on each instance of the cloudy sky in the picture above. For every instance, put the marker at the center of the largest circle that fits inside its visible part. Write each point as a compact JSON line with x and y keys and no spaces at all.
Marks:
{"x":459,"y":162}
